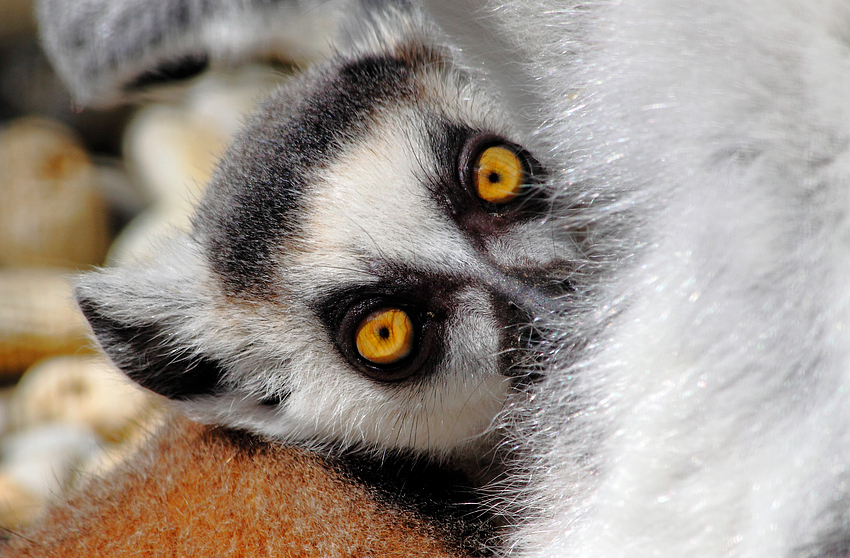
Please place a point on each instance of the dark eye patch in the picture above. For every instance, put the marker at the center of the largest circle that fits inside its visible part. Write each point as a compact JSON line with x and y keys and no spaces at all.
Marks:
{"x":425,"y":299}
{"x":458,"y":150}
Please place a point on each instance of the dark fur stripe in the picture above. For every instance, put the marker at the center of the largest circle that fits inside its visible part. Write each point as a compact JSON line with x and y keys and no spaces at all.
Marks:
{"x":149,"y":356}
{"x":443,"y":497}
{"x":251,"y":204}
{"x":170,"y":70}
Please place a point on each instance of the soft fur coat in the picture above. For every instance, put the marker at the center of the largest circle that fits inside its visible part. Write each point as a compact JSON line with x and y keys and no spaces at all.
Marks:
{"x":694,"y":401}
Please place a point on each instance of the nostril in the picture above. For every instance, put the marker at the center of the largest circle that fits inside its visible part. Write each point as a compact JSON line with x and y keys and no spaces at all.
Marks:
{"x":525,"y":296}
{"x":519,"y":343}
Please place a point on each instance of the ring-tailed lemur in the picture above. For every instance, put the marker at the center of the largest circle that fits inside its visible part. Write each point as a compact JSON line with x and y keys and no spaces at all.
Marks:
{"x":364,"y":266}
{"x":697,"y":403}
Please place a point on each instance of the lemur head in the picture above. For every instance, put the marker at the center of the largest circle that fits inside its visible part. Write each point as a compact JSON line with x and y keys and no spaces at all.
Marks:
{"x":363,"y":269}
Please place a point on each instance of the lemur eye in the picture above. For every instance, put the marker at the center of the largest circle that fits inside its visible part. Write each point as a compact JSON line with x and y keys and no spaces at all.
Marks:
{"x":385,"y":337}
{"x":499,"y":175}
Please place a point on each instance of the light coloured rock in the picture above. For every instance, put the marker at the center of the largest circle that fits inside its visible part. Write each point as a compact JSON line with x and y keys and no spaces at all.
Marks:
{"x":85,"y":391}
{"x":38,"y":318}
{"x":172,"y":153}
{"x":224,"y":98}
{"x":172,"y":148}
{"x":52,"y":213}
{"x":113,"y":455}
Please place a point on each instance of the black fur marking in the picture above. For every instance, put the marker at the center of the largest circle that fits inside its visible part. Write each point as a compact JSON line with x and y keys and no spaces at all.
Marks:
{"x":441,"y":496}
{"x":275,"y":400}
{"x":456,"y":146}
{"x":151,"y":357}
{"x":170,"y":70}
{"x":251,"y":204}
{"x":428,"y":299}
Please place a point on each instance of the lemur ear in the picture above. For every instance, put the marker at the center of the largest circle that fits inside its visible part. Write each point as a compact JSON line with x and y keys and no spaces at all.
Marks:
{"x":110,"y":51}
{"x":144,"y":319}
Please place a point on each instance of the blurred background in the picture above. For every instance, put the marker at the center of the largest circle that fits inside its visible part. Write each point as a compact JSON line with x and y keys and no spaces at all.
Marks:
{"x":82,"y":188}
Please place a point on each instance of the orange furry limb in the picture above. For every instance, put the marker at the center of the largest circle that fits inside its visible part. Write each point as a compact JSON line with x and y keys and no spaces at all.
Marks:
{"x":204,"y":491}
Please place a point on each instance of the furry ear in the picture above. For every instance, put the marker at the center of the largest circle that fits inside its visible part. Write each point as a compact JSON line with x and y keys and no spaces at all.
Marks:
{"x":108,"y":51}
{"x":143,"y":319}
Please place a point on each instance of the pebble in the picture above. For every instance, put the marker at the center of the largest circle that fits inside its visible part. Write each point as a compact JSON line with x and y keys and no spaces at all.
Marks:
{"x":37,"y":463}
{"x":68,"y":418}
{"x":52,"y":212}
{"x":18,"y":505}
{"x":38,"y":318}
{"x":84,"y":391}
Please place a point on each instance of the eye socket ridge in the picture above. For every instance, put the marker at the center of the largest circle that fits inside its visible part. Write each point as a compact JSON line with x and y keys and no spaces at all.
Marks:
{"x":387,"y":339}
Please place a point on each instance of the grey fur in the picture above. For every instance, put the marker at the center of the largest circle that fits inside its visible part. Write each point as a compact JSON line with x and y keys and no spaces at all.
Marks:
{"x":693,"y":380}
{"x":106,"y":50}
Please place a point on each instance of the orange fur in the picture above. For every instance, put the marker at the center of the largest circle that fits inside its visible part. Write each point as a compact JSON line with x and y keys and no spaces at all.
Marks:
{"x":204,"y":491}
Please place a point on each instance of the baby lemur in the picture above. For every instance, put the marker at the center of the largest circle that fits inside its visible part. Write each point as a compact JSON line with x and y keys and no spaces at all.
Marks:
{"x":365,"y":266}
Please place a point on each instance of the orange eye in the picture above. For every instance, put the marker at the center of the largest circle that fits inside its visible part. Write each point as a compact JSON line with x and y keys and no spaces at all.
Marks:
{"x":499,"y":175}
{"x":385,"y":336}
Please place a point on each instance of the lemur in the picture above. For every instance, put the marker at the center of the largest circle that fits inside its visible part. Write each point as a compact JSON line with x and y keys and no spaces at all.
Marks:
{"x":365,"y":266}
{"x":675,"y":256}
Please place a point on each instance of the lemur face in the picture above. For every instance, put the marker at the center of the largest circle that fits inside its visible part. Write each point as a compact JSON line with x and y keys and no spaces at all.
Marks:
{"x":364,"y":269}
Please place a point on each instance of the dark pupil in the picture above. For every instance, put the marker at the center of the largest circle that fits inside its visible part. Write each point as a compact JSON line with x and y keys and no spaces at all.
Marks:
{"x":494,"y":177}
{"x":384,"y":332}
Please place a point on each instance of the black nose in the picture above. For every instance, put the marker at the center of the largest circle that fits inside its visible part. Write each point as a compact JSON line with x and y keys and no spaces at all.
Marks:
{"x":522,"y":298}
{"x":519,"y":341}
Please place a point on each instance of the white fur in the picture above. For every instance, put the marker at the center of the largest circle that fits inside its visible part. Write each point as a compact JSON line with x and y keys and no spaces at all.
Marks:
{"x":695,"y":400}
{"x":712,"y":416}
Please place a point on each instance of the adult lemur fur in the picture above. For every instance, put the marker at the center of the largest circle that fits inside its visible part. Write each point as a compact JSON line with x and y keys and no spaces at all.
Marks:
{"x":691,"y":361}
